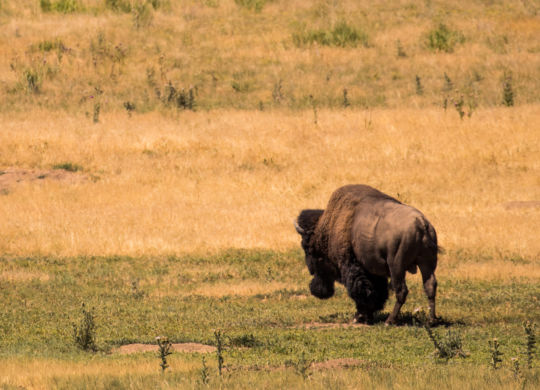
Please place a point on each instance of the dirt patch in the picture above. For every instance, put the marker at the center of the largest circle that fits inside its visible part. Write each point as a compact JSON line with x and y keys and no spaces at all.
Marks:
{"x":337,"y":363}
{"x":181,"y":347}
{"x":12,"y":176}
{"x":522,"y":204}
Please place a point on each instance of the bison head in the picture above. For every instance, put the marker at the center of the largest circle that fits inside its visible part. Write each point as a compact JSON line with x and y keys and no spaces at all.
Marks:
{"x":321,"y":288}
{"x":324,"y":275}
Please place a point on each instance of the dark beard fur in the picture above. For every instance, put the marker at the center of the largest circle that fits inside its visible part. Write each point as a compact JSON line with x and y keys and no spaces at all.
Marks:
{"x":321,"y":288}
{"x":370,"y":292}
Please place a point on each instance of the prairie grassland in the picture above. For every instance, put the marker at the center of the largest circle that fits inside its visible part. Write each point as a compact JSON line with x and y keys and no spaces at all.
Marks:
{"x":236,"y":58}
{"x":271,"y":336}
{"x":163,"y":149}
{"x":201,"y":182}
{"x":136,"y":374}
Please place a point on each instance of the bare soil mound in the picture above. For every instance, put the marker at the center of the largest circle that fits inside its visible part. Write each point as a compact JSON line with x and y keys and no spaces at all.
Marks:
{"x":12,"y":176}
{"x":181,"y":347}
{"x":337,"y":363}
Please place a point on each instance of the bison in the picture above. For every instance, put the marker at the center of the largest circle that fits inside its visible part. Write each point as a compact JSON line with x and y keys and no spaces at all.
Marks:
{"x":361,"y":239}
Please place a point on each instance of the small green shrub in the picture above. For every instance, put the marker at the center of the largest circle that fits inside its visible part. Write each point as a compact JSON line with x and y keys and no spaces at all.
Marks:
{"x":130,"y":107}
{"x":419,"y":87}
{"x":241,"y":86}
{"x":97,"y":110}
{"x":246,"y":340}
{"x":277,"y":92}
{"x":444,"y":39}
{"x":447,"y":89}
{"x":459,"y":102}
{"x":67,"y":166}
{"x":346,"y":102}
{"x":181,"y":99}
{"x":32,"y":80}
{"x":341,"y":35}
{"x":495,"y":353}
{"x":446,"y":347}
{"x":400,"y":51}
{"x":165,"y":346}
{"x":301,"y":365}
{"x":84,"y":334}
{"x":64,"y":6}
{"x":50,"y":45}
{"x":530,"y":330}
{"x":254,"y":5}
{"x":516,"y":369}
{"x":67,"y":6}
{"x":205,"y":372}
{"x":219,"y":350}
{"x":508,"y":91}
{"x":118,"y":5}
{"x":142,"y":14}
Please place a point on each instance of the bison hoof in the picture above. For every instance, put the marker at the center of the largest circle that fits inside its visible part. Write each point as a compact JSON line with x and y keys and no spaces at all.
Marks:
{"x":362,"y":319}
{"x":389,"y":321}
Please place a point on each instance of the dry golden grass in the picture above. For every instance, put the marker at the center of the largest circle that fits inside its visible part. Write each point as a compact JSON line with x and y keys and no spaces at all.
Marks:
{"x":23,"y":276}
{"x":39,"y":374}
{"x":190,"y":43}
{"x":201,"y":182}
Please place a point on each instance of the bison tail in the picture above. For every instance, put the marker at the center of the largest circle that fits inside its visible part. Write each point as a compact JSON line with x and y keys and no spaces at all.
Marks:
{"x":430,"y":238}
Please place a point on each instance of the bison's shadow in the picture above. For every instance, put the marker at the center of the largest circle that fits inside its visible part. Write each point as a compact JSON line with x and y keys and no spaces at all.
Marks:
{"x":404,"y":319}
{"x":409,"y":319}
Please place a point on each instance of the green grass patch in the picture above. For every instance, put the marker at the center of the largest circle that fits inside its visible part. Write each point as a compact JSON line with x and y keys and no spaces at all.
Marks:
{"x":68,"y":166}
{"x":266,"y":336}
{"x":341,"y":35}
{"x":442,"y":38}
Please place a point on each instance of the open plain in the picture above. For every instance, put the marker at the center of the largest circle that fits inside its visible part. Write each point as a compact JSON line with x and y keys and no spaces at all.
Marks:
{"x":153,"y":157}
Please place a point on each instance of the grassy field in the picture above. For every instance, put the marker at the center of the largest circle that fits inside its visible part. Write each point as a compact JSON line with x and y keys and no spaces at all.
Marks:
{"x":272,"y":328}
{"x":153,"y":156}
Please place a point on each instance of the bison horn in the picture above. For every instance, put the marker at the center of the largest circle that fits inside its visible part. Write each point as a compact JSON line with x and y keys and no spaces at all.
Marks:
{"x":298,"y":228}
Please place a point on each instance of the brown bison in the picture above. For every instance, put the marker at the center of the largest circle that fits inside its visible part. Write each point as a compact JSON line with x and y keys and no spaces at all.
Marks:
{"x":362,"y":238}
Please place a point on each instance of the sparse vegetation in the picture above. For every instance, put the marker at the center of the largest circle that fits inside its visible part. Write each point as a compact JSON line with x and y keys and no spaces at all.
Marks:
{"x":219,"y":350}
{"x":446,"y":347}
{"x":419,"y":87}
{"x":63,"y":6}
{"x":119,"y":56}
{"x":508,"y":91}
{"x":164,"y":346}
{"x":84,"y":334}
{"x":68,"y":166}
{"x":530,"y":331}
{"x":254,"y":5}
{"x":442,"y":38}
{"x":400,"y":51}
{"x":205,"y":373}
{"x":274,"y":346}
{"x":341,"y":35}
{"x":495,"y":353}
{"x":179,"y":221}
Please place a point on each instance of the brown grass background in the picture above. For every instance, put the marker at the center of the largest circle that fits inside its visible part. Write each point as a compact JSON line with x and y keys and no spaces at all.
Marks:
{"x":207,"y":181}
